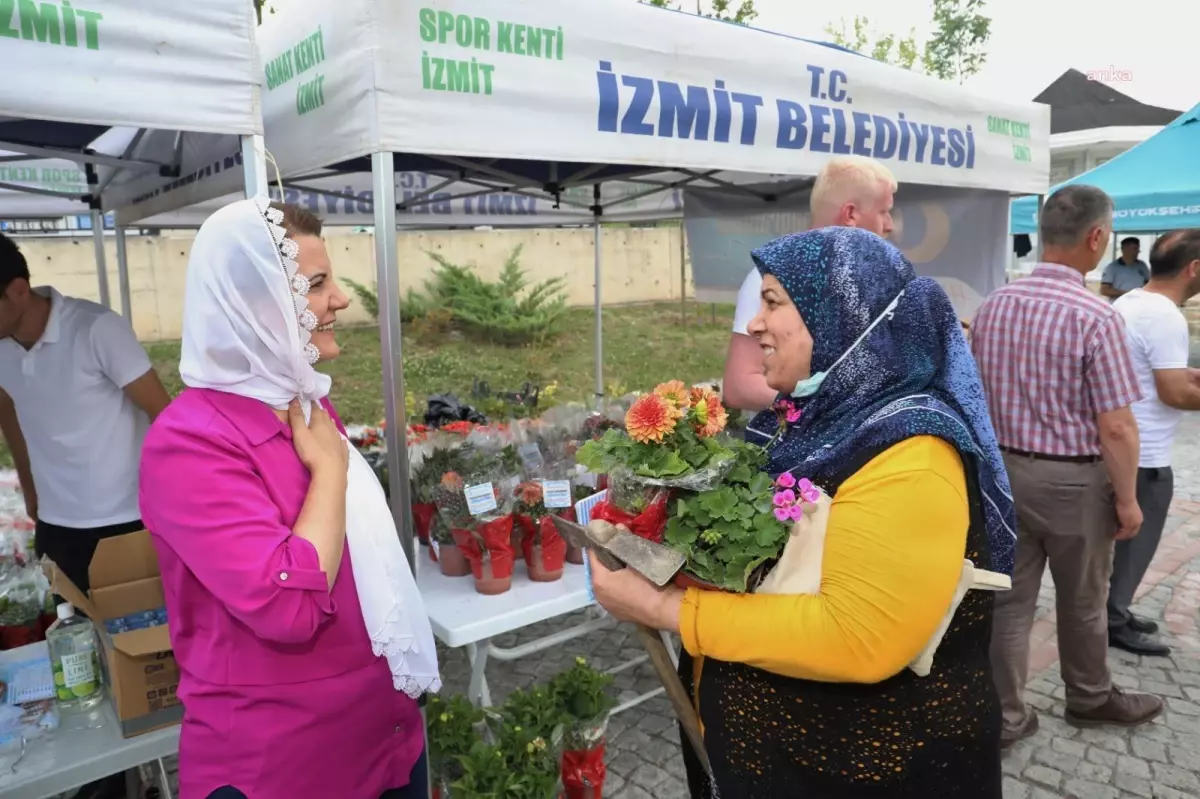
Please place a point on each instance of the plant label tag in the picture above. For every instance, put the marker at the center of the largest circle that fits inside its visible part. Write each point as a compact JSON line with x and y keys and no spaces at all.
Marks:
{"x":531,"y":456}
{"x":556,"y":493}
{"x":481,"y":498}
{"x":436,"y":547}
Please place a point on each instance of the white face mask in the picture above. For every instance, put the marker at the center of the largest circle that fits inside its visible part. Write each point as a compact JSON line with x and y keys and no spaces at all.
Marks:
{"x":812,"y":384}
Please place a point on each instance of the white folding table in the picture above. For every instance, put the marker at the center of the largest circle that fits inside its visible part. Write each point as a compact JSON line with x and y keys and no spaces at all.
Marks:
{"x":69,"y":758}
{"x":460,"y":617}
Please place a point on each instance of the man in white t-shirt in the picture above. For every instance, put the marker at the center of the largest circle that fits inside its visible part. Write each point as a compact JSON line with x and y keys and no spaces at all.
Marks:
{"x":1158,"y":343}
{"x":77,"y":393}
{"x":851,"y":191}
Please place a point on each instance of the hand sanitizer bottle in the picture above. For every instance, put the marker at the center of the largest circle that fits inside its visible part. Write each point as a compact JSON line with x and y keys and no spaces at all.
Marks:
{"x":75,"y":661}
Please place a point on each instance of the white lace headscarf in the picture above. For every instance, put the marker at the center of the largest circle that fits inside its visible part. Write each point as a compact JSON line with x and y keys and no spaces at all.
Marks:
{"x":246,"y":322}
{"x":246,"y":331}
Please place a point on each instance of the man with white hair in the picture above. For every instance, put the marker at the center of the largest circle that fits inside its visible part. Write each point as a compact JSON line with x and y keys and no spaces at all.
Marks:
{"x":851,"y":191}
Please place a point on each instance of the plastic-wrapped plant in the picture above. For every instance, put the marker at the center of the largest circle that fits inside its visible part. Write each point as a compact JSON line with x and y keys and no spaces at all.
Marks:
{"x":585,"y":695}
{"x":538,"y":711}
{"x":484,"y":773}
{"x":533,"y":765}
{"x":453,"y":725}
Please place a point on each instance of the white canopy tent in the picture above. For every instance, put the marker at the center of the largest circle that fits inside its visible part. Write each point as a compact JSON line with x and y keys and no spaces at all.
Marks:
{"x":94,"y":100}
{"x":556,"y":102}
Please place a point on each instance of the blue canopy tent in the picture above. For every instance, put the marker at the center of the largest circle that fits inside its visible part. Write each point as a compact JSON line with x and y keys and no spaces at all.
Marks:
{"x":1155,"y":186}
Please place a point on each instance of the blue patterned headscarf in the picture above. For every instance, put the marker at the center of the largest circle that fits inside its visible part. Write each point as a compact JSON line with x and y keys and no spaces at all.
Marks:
{"x":911,"y":375}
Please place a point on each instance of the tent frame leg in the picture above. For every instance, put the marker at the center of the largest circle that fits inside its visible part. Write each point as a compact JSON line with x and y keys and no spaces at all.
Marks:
{"x":598,"y":304}
{"x":387,"y":279}
{"x":123,"y":274}
{"x":254,"y":165}
{"x":101,"y":261}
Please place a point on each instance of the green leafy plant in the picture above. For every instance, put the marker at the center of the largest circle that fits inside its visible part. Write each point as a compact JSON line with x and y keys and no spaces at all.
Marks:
{"x":537,"y":711}
{"x":532,"y":762}
{"x":507,"y":311}
{"x":731,"y":531}
{"x":683,"y":454}
{"x":413,"y":305}
{"x":513,"y":755}
{"x":453,"y":509}
{"x":583,"y":693}
{"x":484,"y":774}
{"x":426,"y":477}
{"x":453,"y":726}
{"x":440,"y":531}
{"x":368,"y":297}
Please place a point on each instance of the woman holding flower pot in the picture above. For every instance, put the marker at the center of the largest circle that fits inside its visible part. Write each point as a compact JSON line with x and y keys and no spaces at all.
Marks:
{"x":811,"y":694}
{"x":301,"y":638}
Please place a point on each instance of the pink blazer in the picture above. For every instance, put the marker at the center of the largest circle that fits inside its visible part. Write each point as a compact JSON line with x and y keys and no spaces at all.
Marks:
{"x":282,"y":695}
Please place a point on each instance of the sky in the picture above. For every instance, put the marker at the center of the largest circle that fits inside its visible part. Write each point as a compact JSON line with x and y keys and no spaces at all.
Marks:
{"x":1150,"y":42}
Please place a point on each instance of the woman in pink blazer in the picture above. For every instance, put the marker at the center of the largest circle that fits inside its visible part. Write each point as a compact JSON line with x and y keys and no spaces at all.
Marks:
{"x":301,"y":639}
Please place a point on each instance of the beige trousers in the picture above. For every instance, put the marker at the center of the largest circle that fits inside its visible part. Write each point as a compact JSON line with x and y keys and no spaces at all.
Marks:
{"x":1065,"y":517}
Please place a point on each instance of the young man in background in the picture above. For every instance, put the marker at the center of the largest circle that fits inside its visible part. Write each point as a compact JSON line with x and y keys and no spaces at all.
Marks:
{"x":1158,"y":343}
{"x":77,"y":393}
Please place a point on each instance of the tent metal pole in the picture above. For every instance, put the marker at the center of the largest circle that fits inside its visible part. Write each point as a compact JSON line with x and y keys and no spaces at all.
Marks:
{"x":1041,"y":201}
{"x":387,"y":278}
{"x":101,"y":266}
{"x":682,"y":272}
{"x":395,"y":437}
{"x":599,"y":306}
{"x":123,"y":275}
{"x":254,"y":165}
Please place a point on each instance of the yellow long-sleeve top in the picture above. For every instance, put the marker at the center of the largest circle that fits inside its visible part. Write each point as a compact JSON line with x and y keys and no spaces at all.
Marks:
{"x":894,"y":548}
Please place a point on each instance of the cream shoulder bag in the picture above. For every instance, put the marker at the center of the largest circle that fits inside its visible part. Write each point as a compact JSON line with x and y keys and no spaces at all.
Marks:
{"x":799,"y":572}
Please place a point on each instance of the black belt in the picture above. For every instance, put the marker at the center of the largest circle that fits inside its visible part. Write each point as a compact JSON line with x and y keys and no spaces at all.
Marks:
{"x":1037,"y":456}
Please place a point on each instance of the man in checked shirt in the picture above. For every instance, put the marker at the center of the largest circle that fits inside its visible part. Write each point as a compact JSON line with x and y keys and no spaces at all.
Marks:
{"x":1060,"y":382}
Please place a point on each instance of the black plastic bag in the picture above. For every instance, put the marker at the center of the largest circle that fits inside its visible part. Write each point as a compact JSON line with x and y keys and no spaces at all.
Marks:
{"x":445,"y":408}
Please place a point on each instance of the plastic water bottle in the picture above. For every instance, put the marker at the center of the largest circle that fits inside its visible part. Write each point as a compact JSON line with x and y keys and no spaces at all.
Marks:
{"x":75,"y":661}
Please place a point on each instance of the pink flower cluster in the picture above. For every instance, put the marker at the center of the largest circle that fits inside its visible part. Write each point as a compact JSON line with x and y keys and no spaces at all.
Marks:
{"x":792,"y":496}
{"x":787,"y":410}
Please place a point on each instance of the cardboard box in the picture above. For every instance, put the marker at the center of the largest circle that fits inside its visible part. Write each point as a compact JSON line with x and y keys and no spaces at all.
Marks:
{"x":142,"y":674}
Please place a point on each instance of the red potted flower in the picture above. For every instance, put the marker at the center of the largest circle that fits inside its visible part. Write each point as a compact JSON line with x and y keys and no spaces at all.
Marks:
{"x":544,"y":549}
{"x":480,"y":514}
{"x":435,"y":455}
{"x":452,"y":512}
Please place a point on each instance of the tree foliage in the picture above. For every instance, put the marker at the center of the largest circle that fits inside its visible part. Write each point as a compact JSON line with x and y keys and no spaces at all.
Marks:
{"x":888,"y":48}
{"x":956,"y":50}
{"x":958,"y":47}
{"x":724,"y":10}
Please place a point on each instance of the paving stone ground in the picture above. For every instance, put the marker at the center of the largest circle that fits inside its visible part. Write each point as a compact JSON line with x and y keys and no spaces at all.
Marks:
{"x":1159,"y":761}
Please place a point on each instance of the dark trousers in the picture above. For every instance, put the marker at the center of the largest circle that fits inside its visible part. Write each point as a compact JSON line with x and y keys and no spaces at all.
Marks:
{"x":417,"y":788}
{"x":72,"y":549}
{"x":1132,"y":558}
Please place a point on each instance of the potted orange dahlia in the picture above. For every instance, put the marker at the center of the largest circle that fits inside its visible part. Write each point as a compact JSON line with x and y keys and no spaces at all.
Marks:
{"x":672,"y":440}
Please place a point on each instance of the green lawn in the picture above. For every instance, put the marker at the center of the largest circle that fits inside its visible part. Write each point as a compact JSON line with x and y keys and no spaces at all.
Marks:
{"x":643,"y":345}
